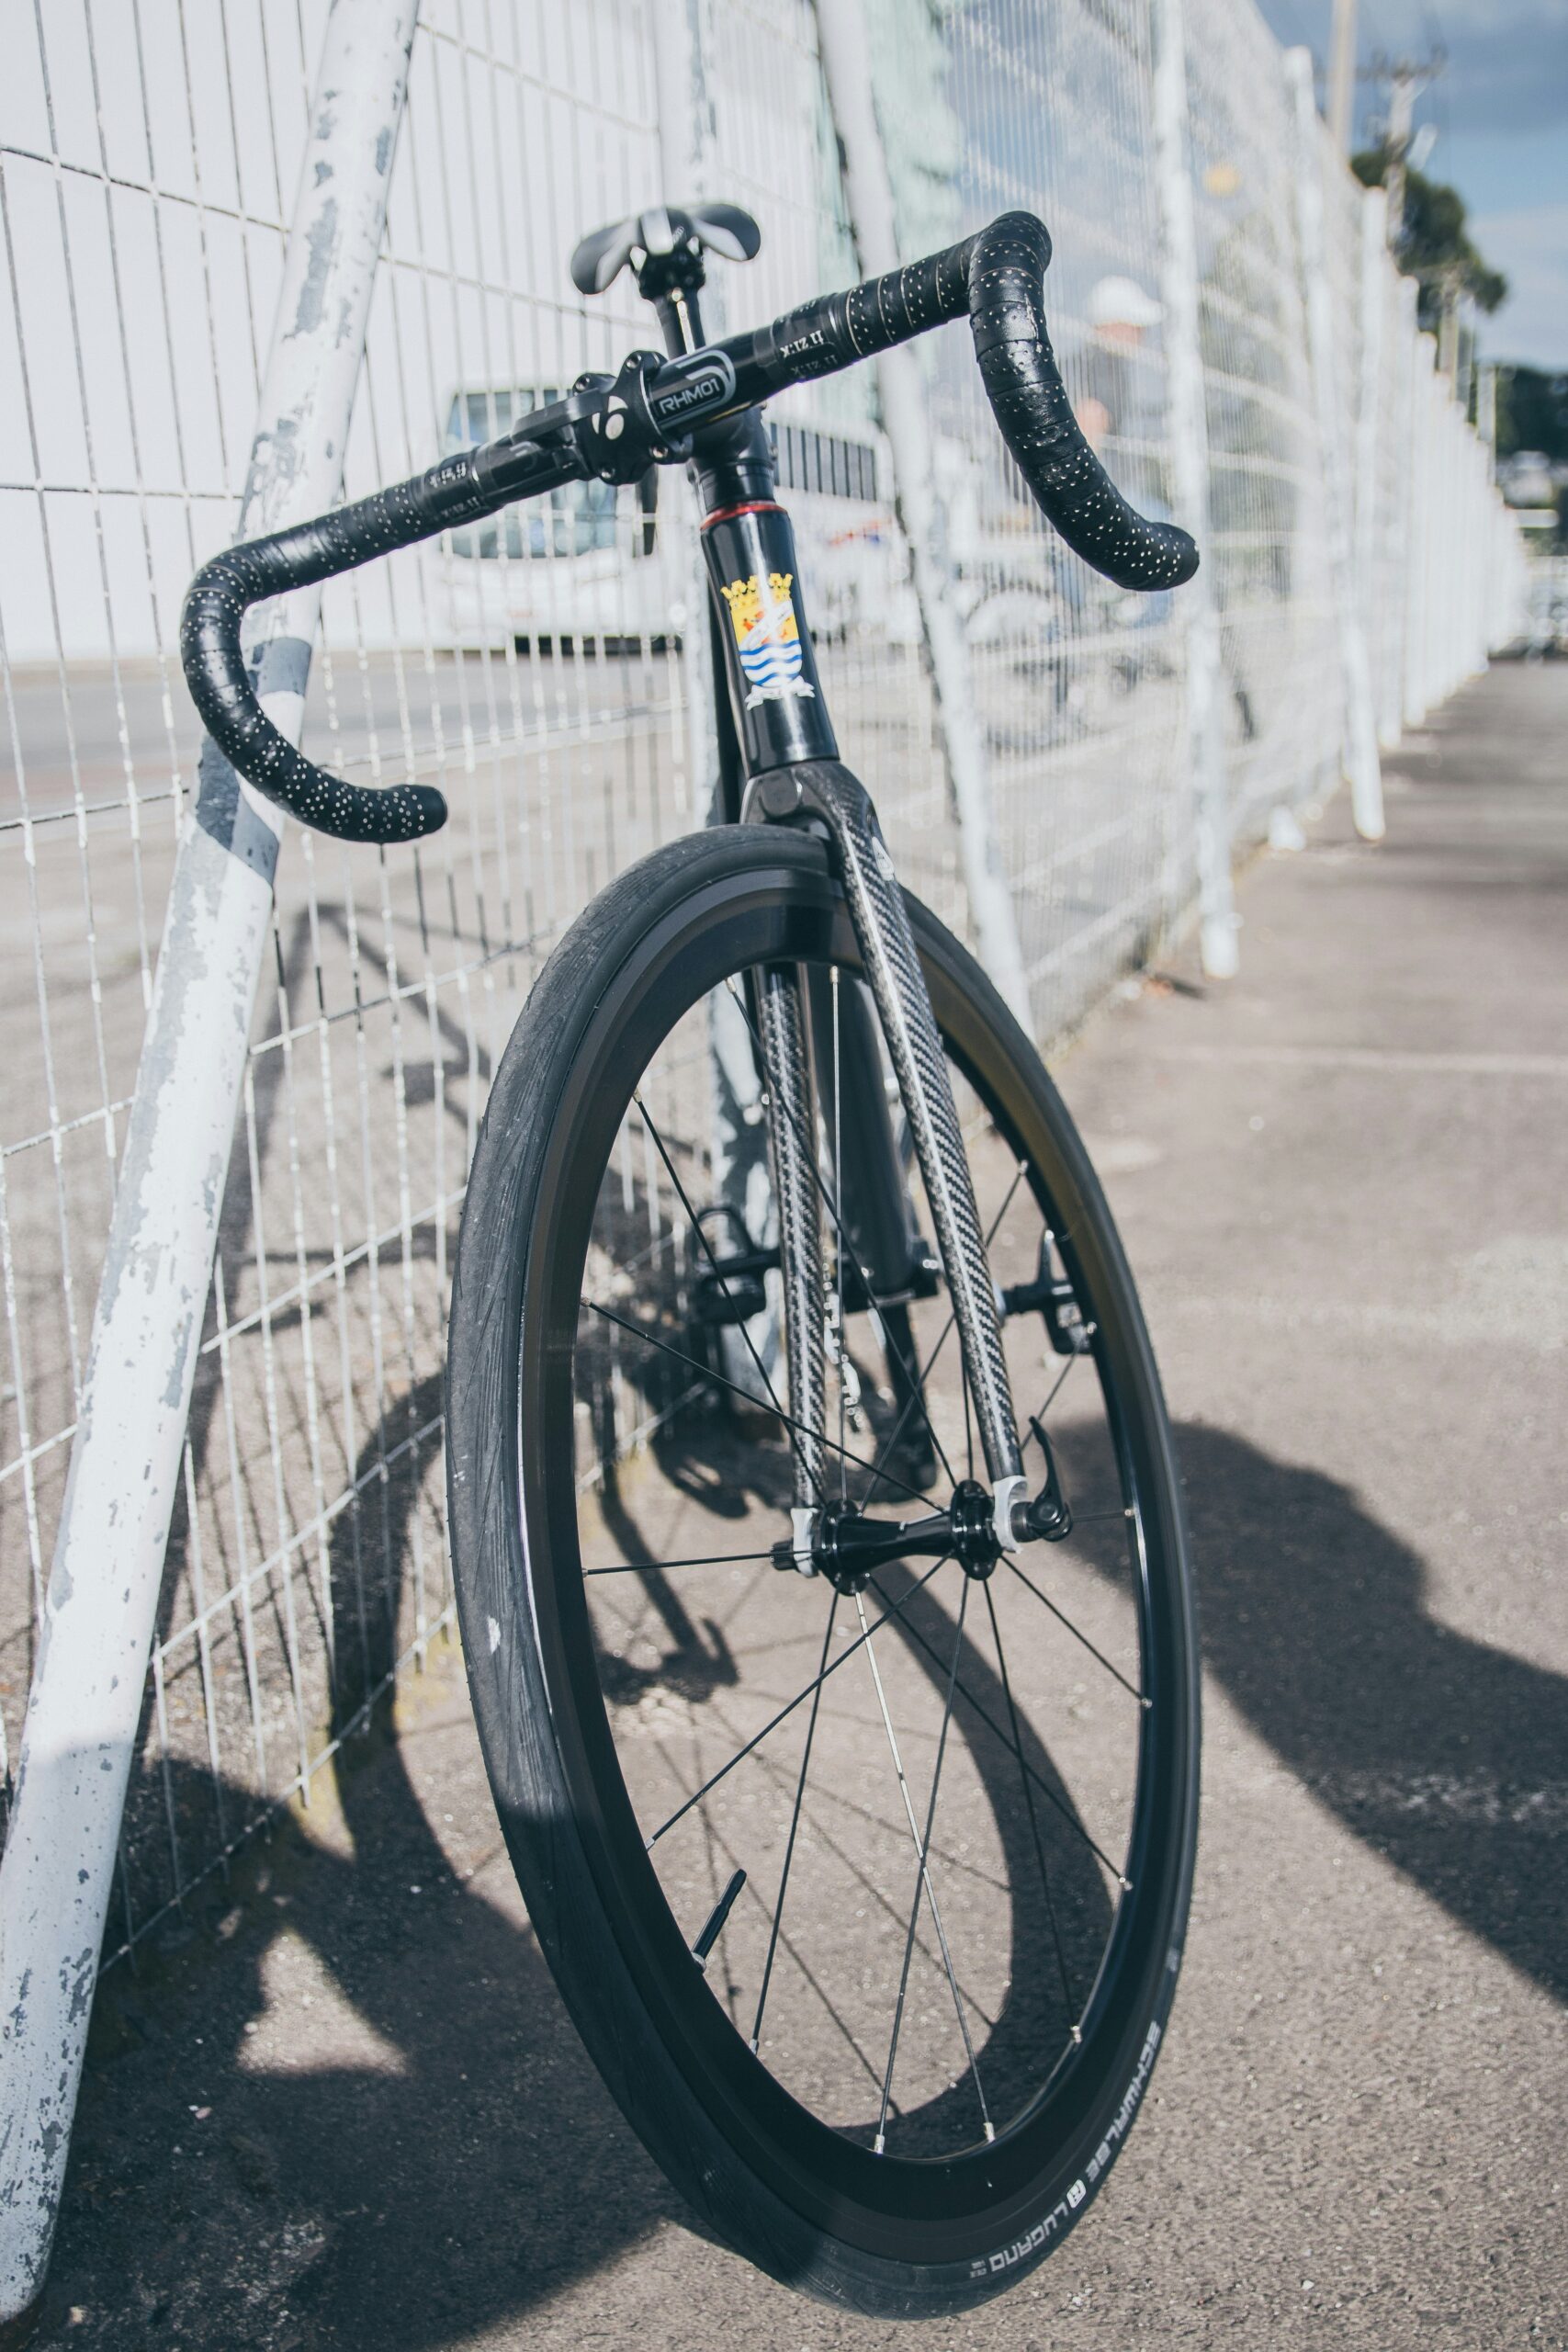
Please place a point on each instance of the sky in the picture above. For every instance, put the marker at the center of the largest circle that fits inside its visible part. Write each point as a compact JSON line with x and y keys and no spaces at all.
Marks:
{"x":1500,"y":110}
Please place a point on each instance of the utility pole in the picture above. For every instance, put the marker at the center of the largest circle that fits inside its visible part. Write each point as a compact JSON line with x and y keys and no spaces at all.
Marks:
{"x":1401,"y":108}
{"x":1450,"y":337}
{"x":1342,"y":74}
{"x":1486,"y":412}
{"x":1406,"y":77}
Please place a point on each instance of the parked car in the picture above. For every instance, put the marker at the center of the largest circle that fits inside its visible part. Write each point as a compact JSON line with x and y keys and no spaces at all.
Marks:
{"x":590,"y":566}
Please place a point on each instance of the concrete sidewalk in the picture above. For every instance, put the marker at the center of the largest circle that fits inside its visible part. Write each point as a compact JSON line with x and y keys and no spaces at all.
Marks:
{"x":1341,"y":1181}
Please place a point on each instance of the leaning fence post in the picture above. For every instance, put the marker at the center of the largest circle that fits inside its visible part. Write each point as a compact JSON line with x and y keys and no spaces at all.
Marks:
{"x":845,"y":49}
{"x":1199,"y":601}
{"x":1361,"y":762}
{"x":101,"y":1607}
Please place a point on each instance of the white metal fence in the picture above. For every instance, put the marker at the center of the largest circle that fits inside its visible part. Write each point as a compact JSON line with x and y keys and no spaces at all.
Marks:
{"x":547,"y":673}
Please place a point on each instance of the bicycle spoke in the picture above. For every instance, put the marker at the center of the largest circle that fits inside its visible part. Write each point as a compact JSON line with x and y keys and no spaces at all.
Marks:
{"x":923,"y":1874}
{"x":991,"y":1724}
{"x":703,"y":1560}
{"x":838,"y":1242}
{"x":793,"y":1825}
{"x":807,"y":1971}
{"x":1052,"y":1394}
{"x":892,"y":1609}
{"x":917,"y":1393}
{"x":897,"y":1430}
{"x":707,"y":1248}
{"x":828,"y":1795}
{"x":1029,"y":1802}
{"x":1044,"y":1599}
{"x":594,"y":1306}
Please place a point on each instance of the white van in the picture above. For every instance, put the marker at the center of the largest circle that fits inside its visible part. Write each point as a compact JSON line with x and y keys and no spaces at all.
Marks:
{"x":583,"y":565}
{"x":589,"y":565}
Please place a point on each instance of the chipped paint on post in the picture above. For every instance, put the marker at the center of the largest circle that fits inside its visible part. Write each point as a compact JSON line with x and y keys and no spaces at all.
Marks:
{"x":79,"y":1736}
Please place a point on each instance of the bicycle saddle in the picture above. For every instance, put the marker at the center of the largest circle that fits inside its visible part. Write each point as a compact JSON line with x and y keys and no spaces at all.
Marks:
{"x":662,"y":229}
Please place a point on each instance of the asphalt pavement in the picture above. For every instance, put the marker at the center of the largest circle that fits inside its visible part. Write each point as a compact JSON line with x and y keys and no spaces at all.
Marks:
{"x":340,"y":2107}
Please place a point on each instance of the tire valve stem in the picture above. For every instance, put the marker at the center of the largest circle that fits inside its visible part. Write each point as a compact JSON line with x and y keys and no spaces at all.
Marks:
{"x":714,"y":1928}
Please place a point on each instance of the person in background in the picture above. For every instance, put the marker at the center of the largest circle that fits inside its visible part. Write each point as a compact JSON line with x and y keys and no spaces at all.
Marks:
{"x":1123,"y":402}
{"x":1117,"y":403}
{"x":1120,"y":408}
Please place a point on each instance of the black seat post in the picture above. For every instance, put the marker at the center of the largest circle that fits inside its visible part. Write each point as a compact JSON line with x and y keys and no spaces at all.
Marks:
{"x":671,"y":281}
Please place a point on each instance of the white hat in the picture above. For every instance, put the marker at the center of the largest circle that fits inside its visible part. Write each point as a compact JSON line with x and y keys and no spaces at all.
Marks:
{"x":1121,"y":302}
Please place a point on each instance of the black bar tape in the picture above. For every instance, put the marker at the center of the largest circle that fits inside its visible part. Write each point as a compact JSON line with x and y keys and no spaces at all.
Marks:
{"x":998,"y":276}
{"x":1007,"y":272}
{"x":458,"y":490}
{"x":834,"y":331}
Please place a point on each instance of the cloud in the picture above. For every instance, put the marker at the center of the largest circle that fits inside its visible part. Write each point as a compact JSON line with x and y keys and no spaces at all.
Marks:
{"x":1531,"y":247}
{"x":1507,"y":65}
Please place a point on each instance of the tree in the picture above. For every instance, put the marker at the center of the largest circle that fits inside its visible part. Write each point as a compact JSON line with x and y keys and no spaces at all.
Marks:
{"x":1433,"y":247}
{"x":1532,"y":413}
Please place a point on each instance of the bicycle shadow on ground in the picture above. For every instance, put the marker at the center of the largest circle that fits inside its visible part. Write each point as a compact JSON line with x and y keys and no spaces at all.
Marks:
{"x":467,"y":2168}
{"x":1447,"y":1756}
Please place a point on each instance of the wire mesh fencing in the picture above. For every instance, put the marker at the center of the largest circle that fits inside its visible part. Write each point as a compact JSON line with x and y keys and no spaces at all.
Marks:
{"x":548,"y":670}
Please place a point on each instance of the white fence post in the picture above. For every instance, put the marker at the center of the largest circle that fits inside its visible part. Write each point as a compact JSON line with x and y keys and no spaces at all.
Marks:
{"x":101,"y":1609}
{"x":845,"y":49}
{"x":683,"y":89}
{"x":1198,"y":603}
{"x":1419,"y":572}
{"x":1371,"y":410}
{"x":1360,"y":759}
{"x":1400,"y":525}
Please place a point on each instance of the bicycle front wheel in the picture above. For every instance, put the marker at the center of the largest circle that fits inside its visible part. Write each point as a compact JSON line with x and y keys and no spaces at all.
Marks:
{"x":867,"y":1901}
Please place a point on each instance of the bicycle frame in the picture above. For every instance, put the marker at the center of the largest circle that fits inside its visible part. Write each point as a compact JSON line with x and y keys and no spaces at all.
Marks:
{"x":704,"y":402}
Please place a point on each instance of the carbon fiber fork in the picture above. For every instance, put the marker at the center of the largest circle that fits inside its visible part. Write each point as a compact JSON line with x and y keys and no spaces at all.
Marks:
{"x":823,"y":789}
{"x":792,"y":1130}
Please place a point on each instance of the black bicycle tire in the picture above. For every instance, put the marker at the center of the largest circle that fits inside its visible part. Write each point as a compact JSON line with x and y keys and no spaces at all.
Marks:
{"x":611,"y":959}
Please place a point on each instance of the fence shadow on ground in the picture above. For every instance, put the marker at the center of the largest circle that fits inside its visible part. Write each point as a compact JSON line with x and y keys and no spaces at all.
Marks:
{"x":1447,"y":1756}
{"x":478,"y":2167}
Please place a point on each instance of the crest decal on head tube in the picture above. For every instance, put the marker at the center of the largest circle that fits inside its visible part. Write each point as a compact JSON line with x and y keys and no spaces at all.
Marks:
{"x":762,"y":612}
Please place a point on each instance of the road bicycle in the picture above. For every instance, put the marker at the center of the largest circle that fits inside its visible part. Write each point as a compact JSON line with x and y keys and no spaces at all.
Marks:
{"x":845,"y":1741}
